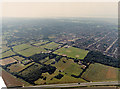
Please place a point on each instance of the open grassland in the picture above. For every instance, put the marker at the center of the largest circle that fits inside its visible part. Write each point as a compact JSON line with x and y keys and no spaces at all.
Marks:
{"x":31,"y":51}
{"x":99,"y":72}
{"x":21,"y":47}
{"x":40,"y":43}
{"x":7,"y":53}
{"x":7,"y":61}
{"x":16,"y":67}
{"x":18,"y":58}
{"x":72,"y":52}
{"x":12,"y":81}
{"x":51,"y":45}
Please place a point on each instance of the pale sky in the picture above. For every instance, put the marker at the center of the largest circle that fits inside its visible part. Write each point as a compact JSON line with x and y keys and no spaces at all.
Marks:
{"x":60,"y":9}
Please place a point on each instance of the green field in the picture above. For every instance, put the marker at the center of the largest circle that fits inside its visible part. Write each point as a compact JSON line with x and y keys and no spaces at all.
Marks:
{"x":31,"y":51}
{"x":99,"y":72}
{"x":51,"y":45}
{"x":21,"y":47}
{"x":7,"y":53}
{"x":72,"y":52}
{"x":66,"y":79}
{"x":40,"y":43}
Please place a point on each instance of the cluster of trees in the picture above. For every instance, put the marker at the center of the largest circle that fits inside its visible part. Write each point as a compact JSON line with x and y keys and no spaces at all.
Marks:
{"x":95,"y":56}
{"x":38,"y":57}
{"x":36,"y":73}
{"x":59,"y":76}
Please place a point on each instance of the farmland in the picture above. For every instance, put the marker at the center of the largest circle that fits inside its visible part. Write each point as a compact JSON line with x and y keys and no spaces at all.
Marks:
{"x":72,"y":52}
{"x":63,"y":50}
{"x":7,"y":53}
{"x":99,"y":72}
{"x":21,"y":47}
{"x":16,"y":67}
{"x":51,"y":45}
{"x":31,"y":51}
{"x":12,"y":80}
{"x":18,"y":58}
{"x":7,"y":61}
{"x":41,"y":43}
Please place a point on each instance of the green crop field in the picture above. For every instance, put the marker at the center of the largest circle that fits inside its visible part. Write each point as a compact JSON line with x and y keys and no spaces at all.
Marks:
{"x":40,"y":43}
{"x":21,"y":47}
{"x":7,"y":53}
{"x":31,"y":51}
{"x":51,"y":45}
{"x":72,"y":52}
{"x":99,"y":72}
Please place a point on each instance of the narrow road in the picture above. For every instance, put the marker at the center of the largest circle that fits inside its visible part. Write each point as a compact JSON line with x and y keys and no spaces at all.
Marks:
{"x":81,"y":84}
{"x":98,"y":40}
{"x":111,"y":45}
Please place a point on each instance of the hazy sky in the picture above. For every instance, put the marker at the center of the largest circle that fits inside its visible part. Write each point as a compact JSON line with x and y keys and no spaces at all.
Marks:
{"x":60,"y":9}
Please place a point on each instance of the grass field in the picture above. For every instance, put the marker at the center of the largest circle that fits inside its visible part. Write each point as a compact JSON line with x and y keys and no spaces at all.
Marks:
{"x":99,"y":72}
{"x":66,"y":79}
{"x":21,"y":47}
{"x":40,"y":43}
{"x":51,"y":45}
{"x":16,"y":67}
{"x":8,"y":53}
{"x":7,"y":61}
{"x":18,"y":58}
{"x":72,"y":52}
{"x":31,"y":51}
